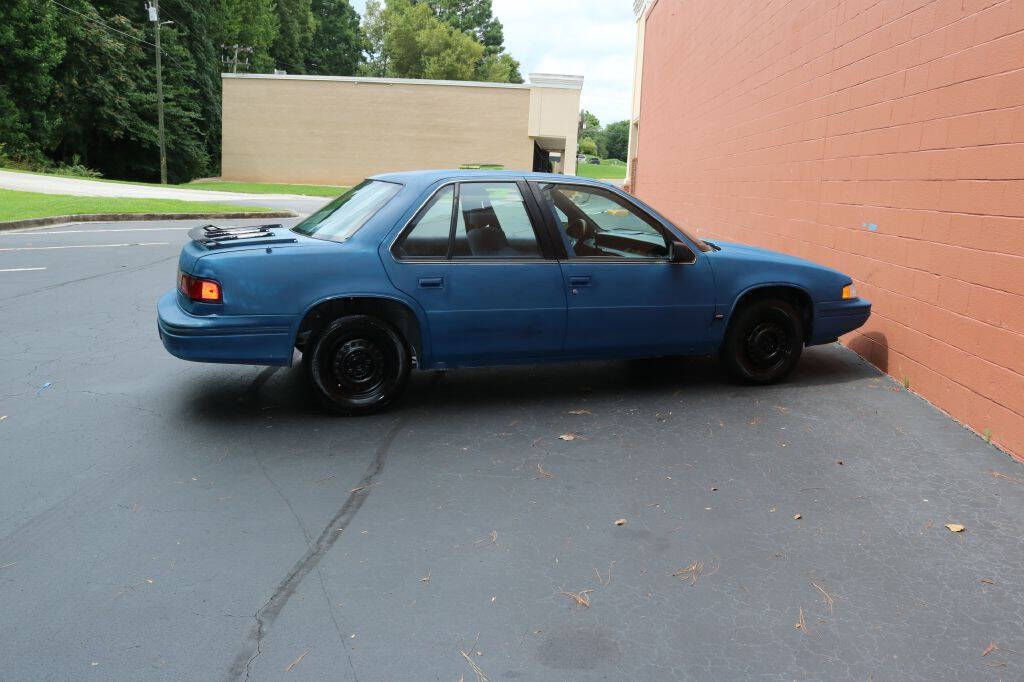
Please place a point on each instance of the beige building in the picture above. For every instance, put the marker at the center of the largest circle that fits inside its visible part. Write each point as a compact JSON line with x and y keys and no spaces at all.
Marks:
{"x":339,"y":130}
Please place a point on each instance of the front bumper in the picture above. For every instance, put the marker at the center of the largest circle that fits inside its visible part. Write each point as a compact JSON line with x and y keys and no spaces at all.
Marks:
{"x":234,"y":339}
{"x":835,"y":318}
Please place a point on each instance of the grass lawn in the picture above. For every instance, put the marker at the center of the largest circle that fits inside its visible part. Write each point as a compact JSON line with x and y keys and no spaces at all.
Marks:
{"x":21,"y":205}
{"x":266,"y":188}
{"x":604,"y":171}
{"x":220,"y":186}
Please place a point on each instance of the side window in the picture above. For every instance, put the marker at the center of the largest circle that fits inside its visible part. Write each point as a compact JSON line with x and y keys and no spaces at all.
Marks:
{"x":493,"y":222}
{"x":428,"y":237}
{"x":594,"y":223}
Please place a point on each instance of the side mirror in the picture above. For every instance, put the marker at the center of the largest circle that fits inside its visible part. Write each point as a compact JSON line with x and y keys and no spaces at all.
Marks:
{"x":678,"y":252}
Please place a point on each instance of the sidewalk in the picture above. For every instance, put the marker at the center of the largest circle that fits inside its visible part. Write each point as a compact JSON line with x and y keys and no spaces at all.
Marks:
{"x":48,"y":184}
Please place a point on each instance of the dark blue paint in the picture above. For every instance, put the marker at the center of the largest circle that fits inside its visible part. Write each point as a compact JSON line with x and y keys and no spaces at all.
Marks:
{"x":478,"y":313}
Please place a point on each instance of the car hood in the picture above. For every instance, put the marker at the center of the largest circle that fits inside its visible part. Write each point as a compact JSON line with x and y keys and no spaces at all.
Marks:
{"x":759,"y":255}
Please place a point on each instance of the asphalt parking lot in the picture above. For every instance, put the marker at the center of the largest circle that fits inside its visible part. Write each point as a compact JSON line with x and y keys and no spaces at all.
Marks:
{"x":167,"y":520}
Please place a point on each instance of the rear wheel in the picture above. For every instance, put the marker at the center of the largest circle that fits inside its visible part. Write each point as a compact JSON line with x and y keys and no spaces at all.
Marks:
{"x":358,"y":364}
{"x":763,"y":342}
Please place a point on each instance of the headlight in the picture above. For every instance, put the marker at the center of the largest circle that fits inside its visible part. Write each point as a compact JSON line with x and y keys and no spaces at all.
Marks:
{"x":849,"y":291}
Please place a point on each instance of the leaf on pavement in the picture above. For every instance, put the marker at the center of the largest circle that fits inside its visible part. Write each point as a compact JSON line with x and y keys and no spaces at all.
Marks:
{"x":955,"y":527}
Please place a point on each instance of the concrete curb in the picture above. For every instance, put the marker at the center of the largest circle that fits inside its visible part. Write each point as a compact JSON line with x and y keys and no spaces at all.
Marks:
{"x":112,"y":217}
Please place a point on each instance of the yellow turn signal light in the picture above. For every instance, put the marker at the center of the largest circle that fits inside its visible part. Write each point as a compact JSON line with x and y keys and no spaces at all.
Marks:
{"x":849,"y":291}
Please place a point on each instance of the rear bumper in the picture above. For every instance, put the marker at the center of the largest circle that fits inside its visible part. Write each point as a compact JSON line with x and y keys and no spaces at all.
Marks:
{"x":245,"y":340}
{"x":836,"y":318}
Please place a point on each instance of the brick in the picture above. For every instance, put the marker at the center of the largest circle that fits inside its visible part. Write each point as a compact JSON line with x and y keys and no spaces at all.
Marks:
{"x":909,"y":116}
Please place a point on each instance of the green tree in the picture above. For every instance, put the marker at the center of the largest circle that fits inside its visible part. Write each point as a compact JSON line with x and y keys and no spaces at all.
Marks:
{"x":588,"y":146}
{"x":252,"y":24}
{"x":407,"y":41}
{"x":617,"y":139}
{"x":475,"y":18}
{"x":106,"y":88}
{"x":589,"y":120}
{"x":30,"y":48}
{"x":194,"y":29}
{"x":337,"y":44}
{"x":295,"y":30}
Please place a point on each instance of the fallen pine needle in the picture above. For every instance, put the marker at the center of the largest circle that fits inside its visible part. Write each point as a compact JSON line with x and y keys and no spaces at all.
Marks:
{"x":829,"y":599}
{"x":542,"y":473}
{"x":605,"y":583}
{"x":800,"y":623}
{"x":363,"y":487}
{"x":8,"y":565}
{"x":983,"y":581}
{"x":992,"y":646}
{"x":291,"y":666}
{"x":691,"y":572}
{"x":481,"y":676}
{"x":491,"y":538}
{"x":1007,"y":477}
{"x":580,"y":411}
{"x":580,"y":597}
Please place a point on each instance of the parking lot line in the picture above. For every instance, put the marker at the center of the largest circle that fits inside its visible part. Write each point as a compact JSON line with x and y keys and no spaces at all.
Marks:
{"x":19,"y":269}
{"x":83,"y":246}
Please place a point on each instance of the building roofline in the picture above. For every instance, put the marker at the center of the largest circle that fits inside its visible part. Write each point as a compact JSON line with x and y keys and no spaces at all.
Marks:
{"x":537,"y":80}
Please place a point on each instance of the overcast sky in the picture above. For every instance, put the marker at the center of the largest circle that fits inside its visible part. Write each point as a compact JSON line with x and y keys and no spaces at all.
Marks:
{"x":591,"y":38}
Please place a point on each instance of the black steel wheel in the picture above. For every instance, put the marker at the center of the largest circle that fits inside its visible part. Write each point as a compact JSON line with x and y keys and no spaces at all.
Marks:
{"x":358,"y":364}
{"x":763,"y":342}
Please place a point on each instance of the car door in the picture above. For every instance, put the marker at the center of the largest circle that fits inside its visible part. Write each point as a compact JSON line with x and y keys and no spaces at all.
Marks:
{"x":624,"y":295}
{"x":482,"y":268}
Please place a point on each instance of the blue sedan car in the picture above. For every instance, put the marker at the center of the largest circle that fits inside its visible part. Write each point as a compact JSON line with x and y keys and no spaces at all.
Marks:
{"x":443,"y":269}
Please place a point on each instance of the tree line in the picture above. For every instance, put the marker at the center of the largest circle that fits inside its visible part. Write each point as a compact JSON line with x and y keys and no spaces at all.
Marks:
{"x":78,"y":80}
{"x":607,"y":142}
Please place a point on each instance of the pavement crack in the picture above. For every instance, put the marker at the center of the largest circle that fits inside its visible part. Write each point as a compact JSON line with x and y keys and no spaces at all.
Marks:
{"x":316,"y":551}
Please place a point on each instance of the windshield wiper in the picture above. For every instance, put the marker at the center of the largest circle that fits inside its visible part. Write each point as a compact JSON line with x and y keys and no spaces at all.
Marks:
{"x":713,"y":245}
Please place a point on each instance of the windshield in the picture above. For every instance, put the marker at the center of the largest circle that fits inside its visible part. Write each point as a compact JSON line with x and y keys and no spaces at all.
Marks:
{"x":340,"y":219}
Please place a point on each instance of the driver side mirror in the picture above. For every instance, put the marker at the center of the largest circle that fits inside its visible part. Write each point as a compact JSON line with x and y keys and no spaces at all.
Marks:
{"x":678,"y":252}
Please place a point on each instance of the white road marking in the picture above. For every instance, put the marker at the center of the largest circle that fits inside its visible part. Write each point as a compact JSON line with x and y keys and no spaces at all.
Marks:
{"x":83,"y":246}
{"x":19,"y":269}
{"x":127,"y":229}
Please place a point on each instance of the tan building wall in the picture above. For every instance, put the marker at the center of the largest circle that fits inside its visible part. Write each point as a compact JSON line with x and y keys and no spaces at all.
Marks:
{"x":326,"y":130}
{"x":885,"y":139}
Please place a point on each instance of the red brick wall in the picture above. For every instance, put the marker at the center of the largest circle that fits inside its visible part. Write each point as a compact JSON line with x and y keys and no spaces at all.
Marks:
{"x":799,"y":124}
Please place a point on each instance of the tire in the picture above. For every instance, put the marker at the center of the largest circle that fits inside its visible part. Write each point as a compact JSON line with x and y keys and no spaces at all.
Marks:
{"x":358,"y":365}
{"x":763,"y":342}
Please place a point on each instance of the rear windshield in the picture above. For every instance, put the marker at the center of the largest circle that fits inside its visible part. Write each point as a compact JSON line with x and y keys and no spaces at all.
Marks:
{"x":340,"y":219}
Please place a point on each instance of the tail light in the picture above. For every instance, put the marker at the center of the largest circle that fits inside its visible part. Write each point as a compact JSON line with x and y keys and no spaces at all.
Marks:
{"x":199,"y":289}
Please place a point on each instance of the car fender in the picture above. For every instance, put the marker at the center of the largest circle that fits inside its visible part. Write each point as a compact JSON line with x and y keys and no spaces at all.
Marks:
{"x":727,"y":303}
{"x":396,"y":296}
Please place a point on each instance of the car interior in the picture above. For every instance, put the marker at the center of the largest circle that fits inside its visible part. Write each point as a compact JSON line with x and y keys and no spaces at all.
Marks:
{"x":594,"y":226}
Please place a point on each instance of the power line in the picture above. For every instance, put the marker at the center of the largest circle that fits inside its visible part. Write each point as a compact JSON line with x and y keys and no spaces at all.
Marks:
{"x":104,"y":25}
{"x":97,"y":22}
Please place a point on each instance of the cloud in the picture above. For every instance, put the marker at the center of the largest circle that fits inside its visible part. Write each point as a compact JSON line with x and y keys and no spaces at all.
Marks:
{"x":590,"y":38}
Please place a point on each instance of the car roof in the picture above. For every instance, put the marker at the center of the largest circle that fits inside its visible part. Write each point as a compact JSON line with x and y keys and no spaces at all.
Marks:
{"x":423,"y":178}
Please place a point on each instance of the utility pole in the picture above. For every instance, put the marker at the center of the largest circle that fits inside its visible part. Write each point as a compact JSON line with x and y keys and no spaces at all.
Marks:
{"x":234,"y":61}
{"x":154,"y":16}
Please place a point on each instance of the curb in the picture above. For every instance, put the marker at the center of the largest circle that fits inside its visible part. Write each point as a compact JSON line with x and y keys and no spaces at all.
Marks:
{"x":113,"y":217}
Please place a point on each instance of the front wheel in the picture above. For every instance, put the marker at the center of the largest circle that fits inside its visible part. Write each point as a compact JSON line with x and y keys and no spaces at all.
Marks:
{"x":358,"y":365}
{"x":763,"y":342}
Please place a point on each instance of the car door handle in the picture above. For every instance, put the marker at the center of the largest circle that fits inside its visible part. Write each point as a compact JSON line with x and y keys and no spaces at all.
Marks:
{"x":579,"y":281}
{"x":431,"y":282}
